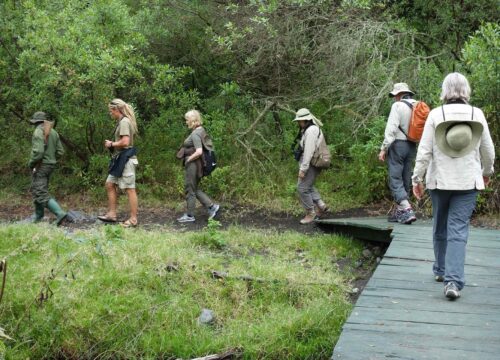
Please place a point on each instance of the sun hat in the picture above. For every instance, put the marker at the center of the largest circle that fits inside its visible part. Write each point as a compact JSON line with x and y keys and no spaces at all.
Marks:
{"x":305,"y":114}
{"x":399,"y":88}
{"x":39,"y":116}
{"x":456,"y":138}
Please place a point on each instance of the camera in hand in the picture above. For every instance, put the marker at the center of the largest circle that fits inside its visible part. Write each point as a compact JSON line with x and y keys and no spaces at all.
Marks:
{"x":297,"y":152}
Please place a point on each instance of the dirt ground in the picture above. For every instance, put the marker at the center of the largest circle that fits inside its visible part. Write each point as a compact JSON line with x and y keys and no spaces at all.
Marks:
{"x":229,"y":214}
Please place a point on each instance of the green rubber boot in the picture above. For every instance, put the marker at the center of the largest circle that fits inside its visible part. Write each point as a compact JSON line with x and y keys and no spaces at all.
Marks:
{"x":54,"y":207}
{"x":39,"y":212}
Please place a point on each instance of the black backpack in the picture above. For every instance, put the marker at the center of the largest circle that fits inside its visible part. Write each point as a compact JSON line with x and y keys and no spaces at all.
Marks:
{"x":209,"y":159}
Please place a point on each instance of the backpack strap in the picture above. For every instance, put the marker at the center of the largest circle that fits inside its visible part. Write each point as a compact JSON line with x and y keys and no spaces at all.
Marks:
{"x":319,"y":134}
{"x":206,"y":141}
{"x":411,"y":107}
{"x":407,"y":103}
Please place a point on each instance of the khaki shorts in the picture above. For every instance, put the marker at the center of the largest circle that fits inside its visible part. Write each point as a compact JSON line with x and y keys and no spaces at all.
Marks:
{"x":127,"y":180}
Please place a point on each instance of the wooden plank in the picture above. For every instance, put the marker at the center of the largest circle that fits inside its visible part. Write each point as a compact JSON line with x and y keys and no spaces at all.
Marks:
{"x":472,"y":258}
{"x":381,"y":317}
{"x":482,"y":269}
{"x":416,"y":331}
{"x":476,"y":297}
{"x":373,"y":223}
{"x":426,"y":277}
{"x":369,"y":229}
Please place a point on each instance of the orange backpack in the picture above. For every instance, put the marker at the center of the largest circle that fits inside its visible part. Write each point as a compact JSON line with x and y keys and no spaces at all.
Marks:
{"x":419,"y":113}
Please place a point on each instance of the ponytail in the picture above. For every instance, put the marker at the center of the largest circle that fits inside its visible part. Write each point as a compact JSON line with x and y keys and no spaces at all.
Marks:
{"x":126,"y":110}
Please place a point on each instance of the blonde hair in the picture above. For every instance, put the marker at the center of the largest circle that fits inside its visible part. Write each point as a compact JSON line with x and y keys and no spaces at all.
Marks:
{"x":126,"y":110}
{"x":194,"y":118}
{"x":455,"y":87}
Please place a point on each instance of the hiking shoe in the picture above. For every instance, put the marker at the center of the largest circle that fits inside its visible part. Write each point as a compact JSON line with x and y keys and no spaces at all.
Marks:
{"x":394,"y":216}
{"x":439,"y":278}
{"x":212,"y":211}
{"x":309,"y":218}
{"x":406,"y":216}
{"x":451,"y":291}
{"x":186,"y":218}
{"x":321,"y":208}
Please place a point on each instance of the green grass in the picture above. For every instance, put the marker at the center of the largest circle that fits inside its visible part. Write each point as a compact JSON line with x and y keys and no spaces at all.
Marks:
{"x":108,"y":293}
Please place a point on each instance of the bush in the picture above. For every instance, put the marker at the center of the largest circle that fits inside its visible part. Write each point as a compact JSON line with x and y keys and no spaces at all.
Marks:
{"x":480,"y":61}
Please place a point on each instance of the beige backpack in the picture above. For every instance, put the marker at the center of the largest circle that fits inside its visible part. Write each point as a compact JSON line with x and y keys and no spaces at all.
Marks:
{"x":321,"y":158}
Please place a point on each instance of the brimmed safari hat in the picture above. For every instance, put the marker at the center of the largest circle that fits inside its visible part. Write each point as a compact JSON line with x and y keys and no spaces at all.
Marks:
{"x":457,"y":138}
{"x":39,"y":116}
{"x":305,"y":114}
{"x":399,"y":88}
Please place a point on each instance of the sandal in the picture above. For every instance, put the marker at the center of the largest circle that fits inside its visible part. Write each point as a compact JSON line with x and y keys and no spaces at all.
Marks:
{"x":128,"y":224}
{"x":106,"y":218}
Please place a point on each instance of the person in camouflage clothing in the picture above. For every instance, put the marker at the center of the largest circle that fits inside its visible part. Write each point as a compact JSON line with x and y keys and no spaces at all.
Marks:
{"x":46,"y":148}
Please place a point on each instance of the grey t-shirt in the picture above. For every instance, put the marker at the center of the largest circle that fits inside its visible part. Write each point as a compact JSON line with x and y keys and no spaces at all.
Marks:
{"x":195,"y":138}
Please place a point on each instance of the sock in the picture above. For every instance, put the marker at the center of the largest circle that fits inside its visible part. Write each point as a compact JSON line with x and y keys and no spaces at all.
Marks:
{"x":405,"y":204}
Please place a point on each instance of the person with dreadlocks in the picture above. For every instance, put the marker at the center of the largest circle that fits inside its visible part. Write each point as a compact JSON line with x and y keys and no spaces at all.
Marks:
{"x":123,"y":163}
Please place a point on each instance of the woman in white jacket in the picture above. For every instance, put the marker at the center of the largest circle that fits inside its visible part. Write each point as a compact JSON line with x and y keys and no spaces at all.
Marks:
{"x":457,"y":153}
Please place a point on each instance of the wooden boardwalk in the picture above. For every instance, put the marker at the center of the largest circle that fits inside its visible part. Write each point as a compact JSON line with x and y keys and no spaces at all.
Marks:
{"x":403,"y":314}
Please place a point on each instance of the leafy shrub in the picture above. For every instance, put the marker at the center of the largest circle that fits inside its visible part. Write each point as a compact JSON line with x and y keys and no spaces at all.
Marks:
{"x":480,"y":56}
{"x":211,"y":237}
{"x":366,"y":176}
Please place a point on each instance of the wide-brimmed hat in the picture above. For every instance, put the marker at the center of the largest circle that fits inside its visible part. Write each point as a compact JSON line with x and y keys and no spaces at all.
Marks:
{"x":305,"y":114}
{"x":39,"y":116}
{"x":400,"y":88}
{"x":458,"y":138}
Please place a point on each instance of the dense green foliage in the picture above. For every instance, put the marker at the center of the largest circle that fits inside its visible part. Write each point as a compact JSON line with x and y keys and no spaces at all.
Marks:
{"x":113,"y":294}
{"x":247,"y":66}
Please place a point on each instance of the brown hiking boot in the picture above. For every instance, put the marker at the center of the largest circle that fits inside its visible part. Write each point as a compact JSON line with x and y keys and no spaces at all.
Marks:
{"x":321,"y":208}
{"x":309,"y":218}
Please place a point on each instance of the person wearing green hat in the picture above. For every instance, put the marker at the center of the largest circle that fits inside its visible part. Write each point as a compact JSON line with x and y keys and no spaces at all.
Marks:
{"x":46,"y":148}
{"x":456,"y":155}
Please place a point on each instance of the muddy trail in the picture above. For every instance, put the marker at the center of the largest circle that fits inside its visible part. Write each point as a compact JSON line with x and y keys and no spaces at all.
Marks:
{"x":152,"y":217}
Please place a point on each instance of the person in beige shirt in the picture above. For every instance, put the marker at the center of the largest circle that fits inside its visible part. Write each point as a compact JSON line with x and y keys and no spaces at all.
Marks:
{"x":126,"y":129}
{"x":456,"y":155}
{"x":399,"y":153}
{"x":310,"y":138}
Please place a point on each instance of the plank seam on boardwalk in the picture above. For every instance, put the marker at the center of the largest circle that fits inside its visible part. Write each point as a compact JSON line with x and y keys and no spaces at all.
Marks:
{"x":402,"y":312}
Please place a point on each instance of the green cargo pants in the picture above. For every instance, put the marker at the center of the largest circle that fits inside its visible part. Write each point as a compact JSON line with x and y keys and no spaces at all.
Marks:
{"x":40,"y":184}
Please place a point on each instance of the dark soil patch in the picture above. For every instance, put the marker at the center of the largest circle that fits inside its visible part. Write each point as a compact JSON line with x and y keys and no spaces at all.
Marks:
{"x":229,"y":214}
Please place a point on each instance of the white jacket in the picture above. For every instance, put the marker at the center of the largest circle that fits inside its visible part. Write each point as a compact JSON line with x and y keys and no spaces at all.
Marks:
{"x":444,"y":172}
{"x":309,"y":142}
{"x":399,"y":116}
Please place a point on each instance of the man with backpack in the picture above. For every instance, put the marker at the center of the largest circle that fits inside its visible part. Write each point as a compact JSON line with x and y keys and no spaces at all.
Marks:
{"x":399,"y":148}
{"x":313,"y":156}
